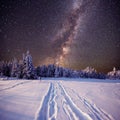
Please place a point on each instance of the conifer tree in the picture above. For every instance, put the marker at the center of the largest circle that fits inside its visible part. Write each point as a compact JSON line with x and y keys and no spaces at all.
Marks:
{"x":28,"y":68}
{"x":14,"y":70}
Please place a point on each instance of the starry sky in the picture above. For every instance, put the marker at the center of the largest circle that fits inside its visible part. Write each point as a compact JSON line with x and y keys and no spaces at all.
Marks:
{"x":69,"y":33}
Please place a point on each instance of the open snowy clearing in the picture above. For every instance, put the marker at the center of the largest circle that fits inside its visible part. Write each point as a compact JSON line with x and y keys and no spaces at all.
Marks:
{"x":50,"y":99}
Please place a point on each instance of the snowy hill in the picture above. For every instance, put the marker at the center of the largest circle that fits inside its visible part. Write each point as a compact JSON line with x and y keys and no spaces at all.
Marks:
{"x":59,"y":99}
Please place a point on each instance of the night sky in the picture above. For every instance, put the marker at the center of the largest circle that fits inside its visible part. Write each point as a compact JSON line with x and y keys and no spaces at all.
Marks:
{"x":69,"y":33}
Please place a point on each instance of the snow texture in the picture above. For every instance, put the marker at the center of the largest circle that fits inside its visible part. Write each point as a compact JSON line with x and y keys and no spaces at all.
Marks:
{"x":59,"y":99}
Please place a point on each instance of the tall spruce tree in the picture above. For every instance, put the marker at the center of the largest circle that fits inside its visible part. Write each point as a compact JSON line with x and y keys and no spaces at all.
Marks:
{"x":14,"y":70}
{"x":28,"y":68}
{"x":57,"y":73}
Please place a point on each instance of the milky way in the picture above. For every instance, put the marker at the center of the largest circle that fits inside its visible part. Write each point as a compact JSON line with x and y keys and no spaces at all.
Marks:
{"x":68,"y":33}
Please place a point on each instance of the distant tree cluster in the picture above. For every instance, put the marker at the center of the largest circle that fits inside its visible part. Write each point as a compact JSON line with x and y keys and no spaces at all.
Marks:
{"x":19,"y":69}
{"x":25,"y":69}
{"x":56,"y":71}
{"x":115,"y":74}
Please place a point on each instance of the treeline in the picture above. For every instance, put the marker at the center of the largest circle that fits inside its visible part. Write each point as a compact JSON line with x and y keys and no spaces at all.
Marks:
{"x":56,"y":71}
{"x":19,"y":69}
{"x":25,"y":69}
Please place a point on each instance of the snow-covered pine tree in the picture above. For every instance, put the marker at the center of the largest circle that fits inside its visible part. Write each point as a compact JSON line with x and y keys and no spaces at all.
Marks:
{"x":20,"y":69}
{"x":65,"y":72}
{"x":57,"y":73}
{"x":1,"y":68}
{"x":10,"y":67}
{"x":14,"y":70}
{"x":60,"y":71}
{"x":5,"y":68}
{"x":114,"y":74}
{"x":43,"y":71}
{"x":28,"y":68}
{"x":74,"y":74}
{"x":90,"y":72}
{"x":51,"y":70}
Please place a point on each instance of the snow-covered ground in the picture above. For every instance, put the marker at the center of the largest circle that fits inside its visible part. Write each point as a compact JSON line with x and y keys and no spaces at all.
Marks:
{"x":60,"y":99}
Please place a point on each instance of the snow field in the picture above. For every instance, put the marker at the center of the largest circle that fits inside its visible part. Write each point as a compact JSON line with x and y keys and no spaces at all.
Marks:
{"x":22,"y":101}
{"x":101,"y":100}
{"x":59,"y":99}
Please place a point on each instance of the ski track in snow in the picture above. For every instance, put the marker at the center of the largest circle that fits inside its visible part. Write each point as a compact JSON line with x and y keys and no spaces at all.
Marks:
{"x":15,"y":85}
{"x":70,"y":108}
{"x":96,"y":113}
{"x":48,"y":107}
